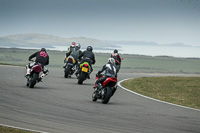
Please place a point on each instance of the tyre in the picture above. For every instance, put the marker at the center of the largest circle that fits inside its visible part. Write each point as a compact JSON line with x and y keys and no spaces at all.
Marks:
{"x":67,"y":71}
{"x":94,"y":98}
{"x":106,"y":96}
{"x":33,"y":80}
{"x":82,"y":77}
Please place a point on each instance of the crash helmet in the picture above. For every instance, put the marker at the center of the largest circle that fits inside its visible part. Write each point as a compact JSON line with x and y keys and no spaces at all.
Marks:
{"x":89,"y":48}
{"x":115,"y":51}
{"x":111,"y":60}
{"x":73,"y":44}
{"x":78,"y":45}
{"x":43,"y":49}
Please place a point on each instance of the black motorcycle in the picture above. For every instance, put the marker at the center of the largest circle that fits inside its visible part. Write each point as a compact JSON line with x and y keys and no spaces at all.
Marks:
{"x":69,"y":67}
{"x":84,"y":72}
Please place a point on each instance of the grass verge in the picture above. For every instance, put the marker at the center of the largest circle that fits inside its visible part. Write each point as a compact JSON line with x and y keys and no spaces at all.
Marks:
{"x":183,"y":91}
{"x":4,"y":129}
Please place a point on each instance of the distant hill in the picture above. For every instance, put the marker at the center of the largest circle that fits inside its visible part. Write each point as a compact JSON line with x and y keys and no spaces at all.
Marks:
{"x":49,"y":41}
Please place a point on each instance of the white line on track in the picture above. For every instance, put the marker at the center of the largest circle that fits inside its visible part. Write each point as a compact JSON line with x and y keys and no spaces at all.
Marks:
{"x":22,"y":128}
{"x":119,"y":84}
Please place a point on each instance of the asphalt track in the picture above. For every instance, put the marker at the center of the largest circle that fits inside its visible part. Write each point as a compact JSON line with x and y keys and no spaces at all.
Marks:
{"x":59,"y":105}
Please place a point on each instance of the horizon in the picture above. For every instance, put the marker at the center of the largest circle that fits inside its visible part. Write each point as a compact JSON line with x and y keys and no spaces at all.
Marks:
{"x":126,"y":41}
{"x":126,"y":47}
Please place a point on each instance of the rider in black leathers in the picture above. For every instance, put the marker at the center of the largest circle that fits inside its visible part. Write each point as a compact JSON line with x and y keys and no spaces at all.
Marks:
{"x":88,"y":56}
{"x":41,"y":57}
{"x":117,"y":58}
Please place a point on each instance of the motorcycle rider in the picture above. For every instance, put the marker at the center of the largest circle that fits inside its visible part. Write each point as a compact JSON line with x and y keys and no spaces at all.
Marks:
{"x":88,"y":56}
{"x":117,"y":58}
{"x":41,"y":57}
{"x":110,"y":71}
{"x":74,"y":51}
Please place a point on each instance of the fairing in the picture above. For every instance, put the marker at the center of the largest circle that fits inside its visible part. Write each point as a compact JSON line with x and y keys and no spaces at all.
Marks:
{"x":111,"y":80}
{"x":37,"y":68}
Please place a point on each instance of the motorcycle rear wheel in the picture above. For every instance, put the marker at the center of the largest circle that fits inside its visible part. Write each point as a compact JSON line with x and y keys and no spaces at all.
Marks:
{"x":82,"y":77}
{"x":67,"y":71}
{"x":33,"y":80}
{"x":107,"y":95}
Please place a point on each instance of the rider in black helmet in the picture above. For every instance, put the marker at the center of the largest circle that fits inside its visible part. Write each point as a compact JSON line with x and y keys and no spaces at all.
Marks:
{"x":117,"y":58}
{"x":115,"y":51}
{"x":87,"y":56}
{"x":41,"y":57}
{"x":89,"y":48}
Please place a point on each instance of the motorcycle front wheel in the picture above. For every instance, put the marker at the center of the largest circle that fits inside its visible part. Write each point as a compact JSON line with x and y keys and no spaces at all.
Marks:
{"x":94,"y":97}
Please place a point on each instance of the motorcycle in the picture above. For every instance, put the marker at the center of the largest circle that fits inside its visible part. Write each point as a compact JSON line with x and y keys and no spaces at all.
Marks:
{"x":109,"y":88}
{"x":35,"y":75}
{"x":84,"y":73}
{"x":69,"y":66}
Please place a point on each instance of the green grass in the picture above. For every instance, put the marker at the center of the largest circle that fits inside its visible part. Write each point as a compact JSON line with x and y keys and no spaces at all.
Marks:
{"x":4,"y":129}
{"x":130,"y":64}
{"x":178,"y":90}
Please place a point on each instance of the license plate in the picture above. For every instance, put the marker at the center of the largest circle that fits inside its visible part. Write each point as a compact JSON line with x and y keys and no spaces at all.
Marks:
{"x":84,"y":69}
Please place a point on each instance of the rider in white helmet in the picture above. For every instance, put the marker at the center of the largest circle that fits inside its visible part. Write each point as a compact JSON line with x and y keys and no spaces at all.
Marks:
{"x":110,"y":71}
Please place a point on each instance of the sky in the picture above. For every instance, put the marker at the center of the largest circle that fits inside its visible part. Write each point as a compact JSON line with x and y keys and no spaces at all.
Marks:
{"x":160,"y":21}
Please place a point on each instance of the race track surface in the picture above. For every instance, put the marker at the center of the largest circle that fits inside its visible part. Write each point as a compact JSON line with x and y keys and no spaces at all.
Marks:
{"x":59,"y":105}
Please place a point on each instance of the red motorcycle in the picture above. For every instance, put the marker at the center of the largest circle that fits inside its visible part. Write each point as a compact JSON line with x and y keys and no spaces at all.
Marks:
{"x":34,"y":76}
{"x":109,"y":88}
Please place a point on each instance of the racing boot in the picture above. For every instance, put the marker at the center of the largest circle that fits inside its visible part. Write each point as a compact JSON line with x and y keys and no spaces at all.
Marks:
{"x":41,"y":77}
{"x":99,"y":87}
{"x":28,"y":71}
{"x":77,"y":72}
{"x":64,"y":65}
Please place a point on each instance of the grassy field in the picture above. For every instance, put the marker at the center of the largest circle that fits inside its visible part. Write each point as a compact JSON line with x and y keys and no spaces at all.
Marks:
{"x":131,"y":63}
{"x":179,"y":90}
